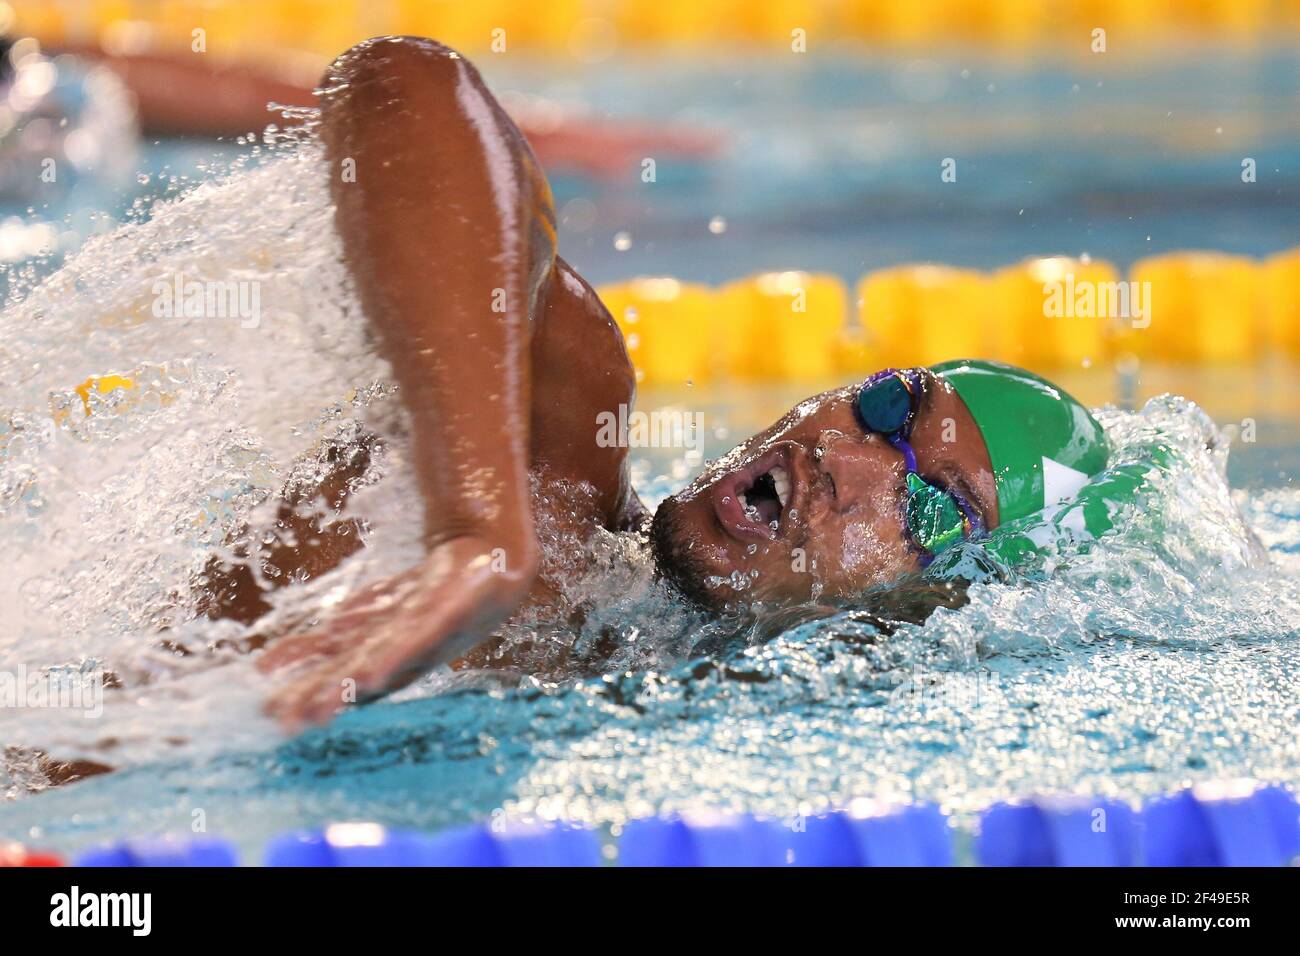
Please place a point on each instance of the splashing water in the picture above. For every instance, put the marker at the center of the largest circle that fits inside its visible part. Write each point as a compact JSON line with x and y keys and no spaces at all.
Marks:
{"x":151,"y":424}
{"x":161,"y":391}
{"x":1165,"y":652}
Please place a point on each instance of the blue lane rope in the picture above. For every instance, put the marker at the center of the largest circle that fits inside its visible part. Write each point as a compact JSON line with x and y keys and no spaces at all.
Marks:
{"x":1235,"y":823}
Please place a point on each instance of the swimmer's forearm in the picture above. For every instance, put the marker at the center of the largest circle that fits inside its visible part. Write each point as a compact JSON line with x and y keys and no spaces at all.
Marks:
{"x":448,"y":233}
{"x":445,"y":224}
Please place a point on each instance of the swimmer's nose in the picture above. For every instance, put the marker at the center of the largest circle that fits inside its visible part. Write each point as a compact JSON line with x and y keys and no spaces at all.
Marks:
{"x":858,"y":466}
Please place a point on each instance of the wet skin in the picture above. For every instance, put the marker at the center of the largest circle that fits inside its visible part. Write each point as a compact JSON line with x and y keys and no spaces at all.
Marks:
{"x":448,"y":216}
{"x":504,"y":357}
{"x":815,"y":505}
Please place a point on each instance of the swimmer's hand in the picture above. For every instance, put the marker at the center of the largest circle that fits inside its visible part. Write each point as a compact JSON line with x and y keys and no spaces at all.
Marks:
{"x":397,"y":630}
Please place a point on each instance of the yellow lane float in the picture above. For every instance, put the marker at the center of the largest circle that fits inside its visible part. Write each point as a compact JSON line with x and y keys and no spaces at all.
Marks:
{"x":1048,"y":313}
{"x":1053,"y":312}
{"x":667,"y":325}
{"x":1281,"y":326}
{"x":789,"y":322}
{"x":102,"y":385}
{"x":594,"y":29}
{"x":1204,"y":307}
{"x":923,"y":314}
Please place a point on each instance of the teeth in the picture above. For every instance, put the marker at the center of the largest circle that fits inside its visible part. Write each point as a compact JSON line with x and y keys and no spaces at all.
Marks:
{"x":782,"y":482}
{"x":744,"y":502}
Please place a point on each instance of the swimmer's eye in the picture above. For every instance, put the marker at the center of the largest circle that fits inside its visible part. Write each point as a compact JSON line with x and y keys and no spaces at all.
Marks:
{"x":887,"y":404}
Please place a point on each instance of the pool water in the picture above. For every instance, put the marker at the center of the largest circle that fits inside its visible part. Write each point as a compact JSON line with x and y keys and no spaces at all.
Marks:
{"x":1169,"y":655}
{"x":1108,"y":677}
{"x":832,"y":163}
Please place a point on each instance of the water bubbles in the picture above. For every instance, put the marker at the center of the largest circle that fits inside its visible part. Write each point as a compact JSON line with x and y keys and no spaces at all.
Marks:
{"x":578,"y":214}
{"x":138,"y":446}
{"x":622,"y":241}
{"x":717,"y":225}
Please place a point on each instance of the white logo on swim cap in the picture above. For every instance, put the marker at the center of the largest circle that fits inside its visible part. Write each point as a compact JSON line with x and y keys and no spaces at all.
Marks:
{"x":1060,"y":482}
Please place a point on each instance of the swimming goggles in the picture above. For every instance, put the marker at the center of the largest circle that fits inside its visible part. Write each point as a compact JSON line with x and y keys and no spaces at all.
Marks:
{"x":936,"y":517}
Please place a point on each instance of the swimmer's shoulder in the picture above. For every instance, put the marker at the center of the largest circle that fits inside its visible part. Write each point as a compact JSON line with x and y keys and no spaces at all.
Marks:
{"x":581,"y":376}
{"x":575,"y":334}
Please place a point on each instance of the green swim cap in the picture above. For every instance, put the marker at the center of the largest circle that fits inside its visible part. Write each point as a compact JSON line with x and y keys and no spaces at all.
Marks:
{"x":1043,"y":443}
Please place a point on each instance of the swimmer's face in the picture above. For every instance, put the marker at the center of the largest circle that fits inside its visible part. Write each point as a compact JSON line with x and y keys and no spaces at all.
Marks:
{"x":814,"y":507}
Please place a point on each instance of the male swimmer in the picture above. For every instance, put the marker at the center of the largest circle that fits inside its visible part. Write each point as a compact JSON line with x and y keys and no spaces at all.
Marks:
{"x":449,"y":214}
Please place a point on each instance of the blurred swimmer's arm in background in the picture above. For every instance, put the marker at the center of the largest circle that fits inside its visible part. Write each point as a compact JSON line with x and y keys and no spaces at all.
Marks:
{"x":196,"y":95}
{"x":200,"y":95}
{"x":448,"y":232}
{"x":563,"y":139}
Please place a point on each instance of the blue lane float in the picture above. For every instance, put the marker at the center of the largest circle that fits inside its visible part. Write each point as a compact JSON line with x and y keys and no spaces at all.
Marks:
{"x":1222,"y":824}
{"x":873,"y":834}
{"x":1232,"y":823}
{"x":867,"y":834}
{"x":162,"y":851}
{"x":1058,"y":831}
{"x":701,"y":840}
{"x":368,"y":844}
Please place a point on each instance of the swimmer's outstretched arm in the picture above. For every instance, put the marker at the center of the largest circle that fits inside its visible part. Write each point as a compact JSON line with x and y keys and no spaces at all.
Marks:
{"x":449,"y":233}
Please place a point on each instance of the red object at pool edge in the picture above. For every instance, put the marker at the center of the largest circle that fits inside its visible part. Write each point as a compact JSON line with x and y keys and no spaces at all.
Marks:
{"x":14,"y":854}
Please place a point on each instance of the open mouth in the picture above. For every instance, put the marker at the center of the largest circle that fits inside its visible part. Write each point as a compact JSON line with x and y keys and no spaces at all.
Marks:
{"x":767,"y":497}
{"x":754,"y":501}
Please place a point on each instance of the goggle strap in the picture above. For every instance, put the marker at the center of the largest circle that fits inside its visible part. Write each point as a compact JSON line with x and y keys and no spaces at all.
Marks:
{"x":904,"y":446}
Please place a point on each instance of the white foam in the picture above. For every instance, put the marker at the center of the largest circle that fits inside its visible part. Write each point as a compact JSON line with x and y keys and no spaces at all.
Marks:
{"x":106,"y":517}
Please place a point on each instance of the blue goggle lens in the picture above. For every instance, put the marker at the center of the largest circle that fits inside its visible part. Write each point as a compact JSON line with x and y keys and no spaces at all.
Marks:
{"x":885,"y":405}
{"x":935,"y":519}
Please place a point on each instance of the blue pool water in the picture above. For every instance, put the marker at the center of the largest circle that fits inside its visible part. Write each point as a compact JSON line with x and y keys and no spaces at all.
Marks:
{"x":1109,"y":677}
{"x":831,"y":163}
{"x":1152,"y":662}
